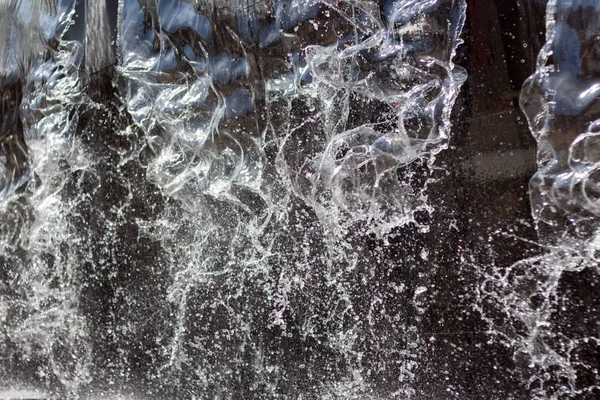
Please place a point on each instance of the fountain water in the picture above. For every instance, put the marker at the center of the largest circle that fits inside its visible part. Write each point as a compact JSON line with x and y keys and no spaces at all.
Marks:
{"x":263,"y":199}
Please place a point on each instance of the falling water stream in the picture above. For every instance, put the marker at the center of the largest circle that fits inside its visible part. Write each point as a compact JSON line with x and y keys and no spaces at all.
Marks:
{"x":265,"y":199}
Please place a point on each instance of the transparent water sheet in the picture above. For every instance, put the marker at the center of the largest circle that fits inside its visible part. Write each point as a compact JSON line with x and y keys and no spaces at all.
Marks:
{"x":262,"y":200}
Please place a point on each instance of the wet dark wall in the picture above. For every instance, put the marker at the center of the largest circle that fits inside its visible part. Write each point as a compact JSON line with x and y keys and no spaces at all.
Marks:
{"x":485,"y":212}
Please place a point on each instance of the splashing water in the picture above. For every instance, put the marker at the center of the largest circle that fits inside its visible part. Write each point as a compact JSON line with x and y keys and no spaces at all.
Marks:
{"x":40,"y":291}
{"x":544,"y":307}
{"x":230,"y":199}
{"x":194,"y":226}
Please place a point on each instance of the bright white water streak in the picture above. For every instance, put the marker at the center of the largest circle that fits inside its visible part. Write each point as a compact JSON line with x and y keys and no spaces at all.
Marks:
{"x":544,"y":307}
{"x":213,"y":223}
{"x":201,"y":235}
{"x":280,"y":151}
